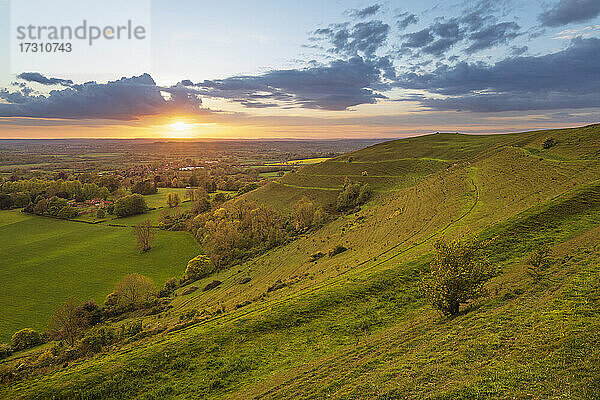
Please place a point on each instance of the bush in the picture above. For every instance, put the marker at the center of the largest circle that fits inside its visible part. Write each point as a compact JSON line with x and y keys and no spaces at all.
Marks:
{"x":176,"y":221}
{"x":200,"y":206}
{"x":134,"y":290}
{"x":20,"y":199}
{"x":211,"y":285}
{"x":56,"y":205}
{"x":41,"y":206}
{"x":199,"y":267}
{"x":316,"y":256}
{"x":6,"y":201}
{"x":337,"y":250}
{"x":144,"y":187}
{"x":538,"y":262}
{"x":352,"y":195}
{"x":100,"y":213}
{"x":130,"y":205}
{"x":169,"y":288}
{"x":173,"y":200}
{"x":67,"y":212}
{"x":221,"y":197}
{"x":248,"y":188}
{"x":94,"y":341}
{"x":25,"y":339}
{"x":548,"y":143}
{"x":5,"y":351}
{"x":68,"y":322}
{"x":306,"y":215}
{"x":458,"y":273}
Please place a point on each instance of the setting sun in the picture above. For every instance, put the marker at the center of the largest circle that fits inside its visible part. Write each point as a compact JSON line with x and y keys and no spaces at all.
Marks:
{"x":180,"y":126}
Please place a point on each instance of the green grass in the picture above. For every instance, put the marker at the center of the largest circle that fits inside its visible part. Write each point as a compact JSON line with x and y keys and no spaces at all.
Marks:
{"x":160,"y":199}
{"x":353,"y":326}
{"x":45,"y":260}
{"x":152,"y":215}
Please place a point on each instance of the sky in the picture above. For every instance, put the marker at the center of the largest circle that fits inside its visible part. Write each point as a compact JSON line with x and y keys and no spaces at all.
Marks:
{"x":323,"y":69}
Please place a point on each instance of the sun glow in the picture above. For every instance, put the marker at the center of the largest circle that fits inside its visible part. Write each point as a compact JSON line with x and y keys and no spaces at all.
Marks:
{"x":179,"y":126}
{"x":184,"y":128}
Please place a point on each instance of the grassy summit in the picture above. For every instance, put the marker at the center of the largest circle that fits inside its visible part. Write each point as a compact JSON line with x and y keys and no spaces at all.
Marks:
{"x":353,"y":325}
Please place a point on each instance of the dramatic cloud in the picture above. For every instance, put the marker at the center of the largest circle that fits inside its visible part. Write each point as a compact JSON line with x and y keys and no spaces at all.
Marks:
{"x":363,"y":38}
{"x":337,"y":86}
{"x":568,"y":11}
{"x":39,"y":78}
{"x":418,"y":39}
{"x":492,"y":36}
{"x":566,"y":79}
{"x":124,"y":99}
{"x":510,"y":102}
{"x":365,"y":12}
{"x":406,"y":19}
{"x":477,"y":29}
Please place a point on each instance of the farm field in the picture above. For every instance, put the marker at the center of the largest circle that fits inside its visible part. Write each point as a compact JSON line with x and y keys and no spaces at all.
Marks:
{"x":46,"y":260}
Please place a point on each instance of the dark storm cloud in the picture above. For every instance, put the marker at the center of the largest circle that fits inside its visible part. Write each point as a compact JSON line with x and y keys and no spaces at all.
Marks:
{"x":567,"y":11}
{"x":568,"y":78}
{"x":406,"y":19}
{"x":363,"y":38}
{"x":124,"y":99}
{"x":364,"y":12}
{"x":39,"y":78}
{"x":337,"y":86}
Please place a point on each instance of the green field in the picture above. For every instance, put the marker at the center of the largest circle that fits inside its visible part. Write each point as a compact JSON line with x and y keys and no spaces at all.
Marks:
{"x":353,"y":326}
{"x":45,"y":261}
{"x":160,"y":199}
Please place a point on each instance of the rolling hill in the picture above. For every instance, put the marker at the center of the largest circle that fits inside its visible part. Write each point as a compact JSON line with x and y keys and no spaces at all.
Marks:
{"x":353,"y":326}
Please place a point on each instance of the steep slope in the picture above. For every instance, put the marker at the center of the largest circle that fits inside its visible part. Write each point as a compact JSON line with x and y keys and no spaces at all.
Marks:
{"x":354,"y":326}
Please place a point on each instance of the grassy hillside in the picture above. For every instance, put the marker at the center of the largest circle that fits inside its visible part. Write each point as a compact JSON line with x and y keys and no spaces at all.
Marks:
{"x":353,"y":326}
{"x":45,"y":260}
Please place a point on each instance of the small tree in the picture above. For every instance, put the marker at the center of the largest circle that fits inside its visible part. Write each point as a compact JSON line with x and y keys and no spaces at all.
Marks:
{"x":67,"y":212}
{"x":173,"y":200}
{"x":303,"y":214}
{"x":68,"y":322}
{"x":130,"y":205}
{"x":25,"y":338}
{"x":6,"y":201}
{"x":199,"y":267}
{"x":5,"y":350}
{"x":458,"y":273}
{"x":144,"y":235}
{"x":133,"y":290}
{"x":144,"y":188}
{"x":200,"y":206}
{"x":548,"y":143}
{"x":353,"y":194}
{"x":538,"y":262}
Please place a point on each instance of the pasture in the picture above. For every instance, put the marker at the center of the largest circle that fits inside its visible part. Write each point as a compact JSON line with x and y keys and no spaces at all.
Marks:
{"x":44,"y":261}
